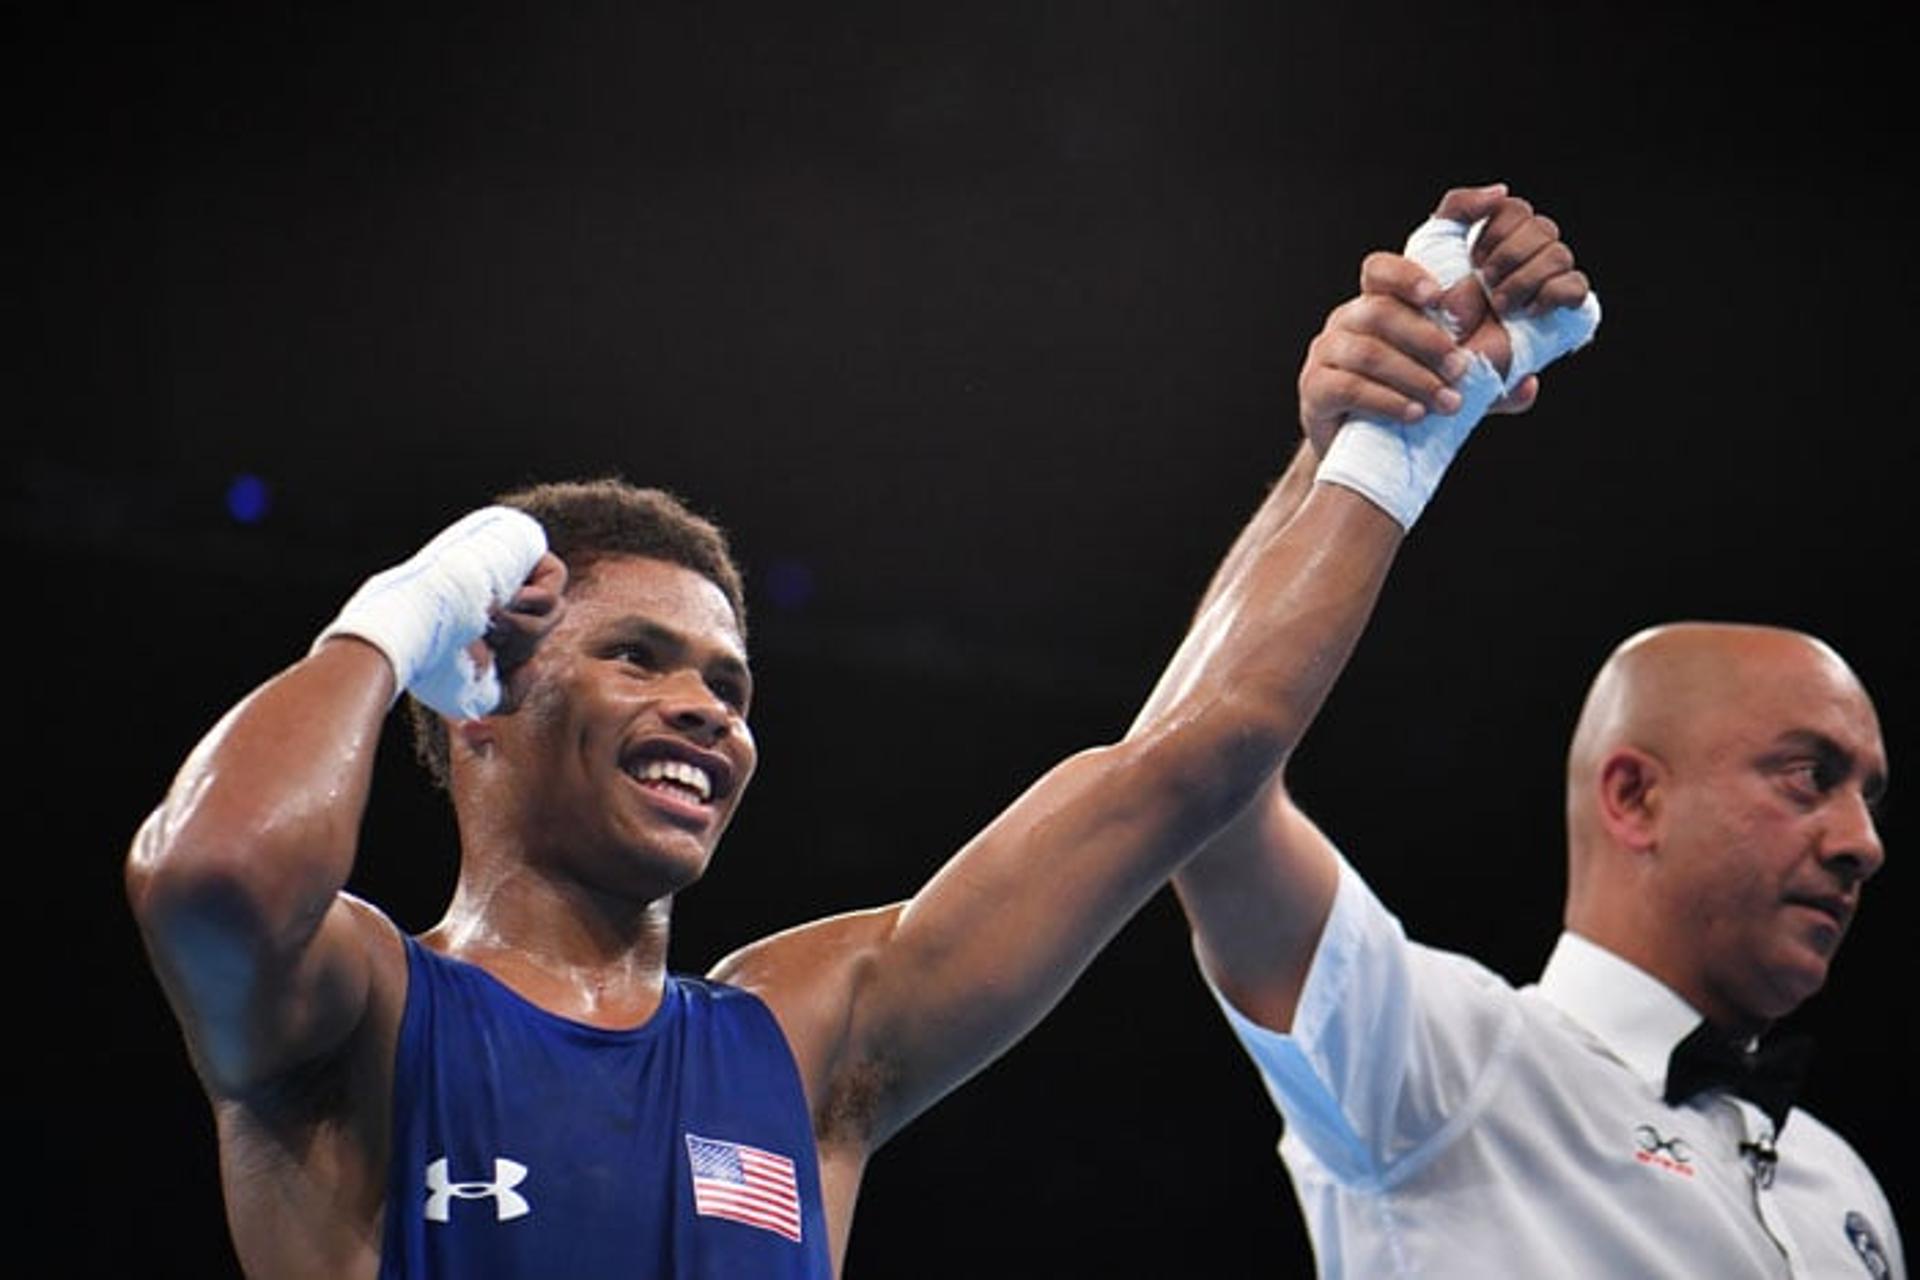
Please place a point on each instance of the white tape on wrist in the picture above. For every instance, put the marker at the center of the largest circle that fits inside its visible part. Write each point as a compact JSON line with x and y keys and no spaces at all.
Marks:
{"x":1398,"y":467}
{"x":1445,"y":248}
{"x":1540,"y":340}
{"x":423,"y":614}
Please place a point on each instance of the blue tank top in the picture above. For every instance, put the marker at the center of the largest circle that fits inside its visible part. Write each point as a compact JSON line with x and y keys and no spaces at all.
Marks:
{"x":527,"y":1144}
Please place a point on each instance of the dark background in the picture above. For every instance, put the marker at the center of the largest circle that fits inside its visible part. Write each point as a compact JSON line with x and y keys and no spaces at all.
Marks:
{"x":977,"y":327}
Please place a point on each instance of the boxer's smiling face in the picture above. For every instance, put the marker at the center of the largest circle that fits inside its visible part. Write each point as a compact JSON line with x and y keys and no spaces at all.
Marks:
{"x":632,"y":749}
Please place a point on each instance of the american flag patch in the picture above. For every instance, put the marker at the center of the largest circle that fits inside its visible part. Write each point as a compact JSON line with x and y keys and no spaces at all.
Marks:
{"x":746,"y":1184}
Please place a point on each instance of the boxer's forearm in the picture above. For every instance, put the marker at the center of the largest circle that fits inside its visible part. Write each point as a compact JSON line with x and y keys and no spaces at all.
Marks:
{"x":1280,"y":506}
{"x":1275,"y":632}
{"x":1258,"y":894}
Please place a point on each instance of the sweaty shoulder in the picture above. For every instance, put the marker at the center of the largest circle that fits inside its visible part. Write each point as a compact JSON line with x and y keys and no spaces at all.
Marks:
{"x":387,"y":970}
{"x":354,"y":1078}
{"x":811,"y":977}
{"x":305,"y":1154}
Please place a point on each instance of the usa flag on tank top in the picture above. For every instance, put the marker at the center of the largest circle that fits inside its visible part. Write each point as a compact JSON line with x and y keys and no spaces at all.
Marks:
{"x":745,"y":1184}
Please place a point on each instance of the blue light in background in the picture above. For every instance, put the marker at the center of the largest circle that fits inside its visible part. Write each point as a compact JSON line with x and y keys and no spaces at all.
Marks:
{"x":789,"y":584}
{"x":248,"y":499}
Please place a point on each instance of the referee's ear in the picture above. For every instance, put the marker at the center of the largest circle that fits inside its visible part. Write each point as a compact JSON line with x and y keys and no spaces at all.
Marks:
{"x":1632,"y":799}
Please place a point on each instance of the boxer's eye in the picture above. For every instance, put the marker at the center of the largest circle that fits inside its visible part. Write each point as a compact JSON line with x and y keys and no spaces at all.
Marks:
{"x":637,"y":655}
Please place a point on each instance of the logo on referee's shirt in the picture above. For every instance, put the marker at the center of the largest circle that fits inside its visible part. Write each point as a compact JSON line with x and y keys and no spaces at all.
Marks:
{"x":1867,"y":1245}
{"x":1672,"y":1154}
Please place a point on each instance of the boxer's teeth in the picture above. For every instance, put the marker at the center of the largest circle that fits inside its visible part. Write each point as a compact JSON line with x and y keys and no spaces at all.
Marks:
{"x":691,"y":776}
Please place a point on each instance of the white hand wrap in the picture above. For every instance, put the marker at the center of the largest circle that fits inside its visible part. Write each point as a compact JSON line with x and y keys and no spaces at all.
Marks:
{"x":1397,"y":467}
{"x":424,"y":613}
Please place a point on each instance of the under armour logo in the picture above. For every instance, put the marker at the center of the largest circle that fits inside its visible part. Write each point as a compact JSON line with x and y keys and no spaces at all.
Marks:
{"x":507,"y":1203}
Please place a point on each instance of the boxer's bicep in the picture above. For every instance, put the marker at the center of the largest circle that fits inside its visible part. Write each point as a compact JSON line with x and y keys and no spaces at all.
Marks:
{"x":254,"y":1000}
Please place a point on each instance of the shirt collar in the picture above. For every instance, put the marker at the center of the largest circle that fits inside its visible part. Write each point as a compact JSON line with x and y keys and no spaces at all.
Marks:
{"x":1636,"y":1015}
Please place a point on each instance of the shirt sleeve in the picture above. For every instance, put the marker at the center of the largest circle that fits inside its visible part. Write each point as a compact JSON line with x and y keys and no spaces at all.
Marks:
{"x":1392,"y":1047}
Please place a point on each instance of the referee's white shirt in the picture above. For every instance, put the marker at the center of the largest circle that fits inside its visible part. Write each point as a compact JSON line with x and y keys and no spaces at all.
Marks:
{"x":1441,"y":1123}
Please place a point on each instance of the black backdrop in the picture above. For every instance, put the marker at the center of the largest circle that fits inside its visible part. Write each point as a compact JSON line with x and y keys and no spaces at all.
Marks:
{"x":977,"y":326}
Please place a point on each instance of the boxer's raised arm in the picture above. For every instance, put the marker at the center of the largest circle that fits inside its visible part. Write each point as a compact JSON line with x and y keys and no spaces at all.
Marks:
{"x":939,"y":986}
{"x":235,"y":878}
{"x":1259,"y":892}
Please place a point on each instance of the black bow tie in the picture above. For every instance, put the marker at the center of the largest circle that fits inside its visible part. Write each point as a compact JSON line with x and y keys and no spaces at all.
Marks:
{"x":1768,"y":1077}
